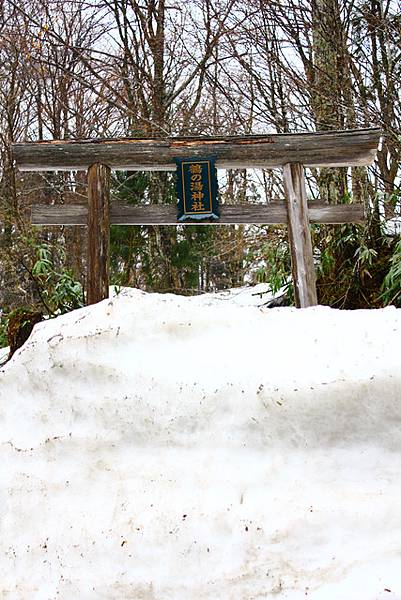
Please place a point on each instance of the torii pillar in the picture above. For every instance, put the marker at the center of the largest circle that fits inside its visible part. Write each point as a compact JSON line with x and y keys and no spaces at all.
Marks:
{"x":98,"y":260}
{"x":303,"y":269}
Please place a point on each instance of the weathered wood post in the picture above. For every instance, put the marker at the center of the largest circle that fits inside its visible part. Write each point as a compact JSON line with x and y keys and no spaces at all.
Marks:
{"x":303,"y":270}
{"x":98,"y":233}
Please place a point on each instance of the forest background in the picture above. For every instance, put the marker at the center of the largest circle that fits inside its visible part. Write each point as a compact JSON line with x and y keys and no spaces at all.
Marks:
{"x":78,"y":69}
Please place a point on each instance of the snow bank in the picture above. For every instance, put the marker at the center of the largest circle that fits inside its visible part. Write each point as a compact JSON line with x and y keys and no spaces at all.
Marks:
{"x":156,"y":447}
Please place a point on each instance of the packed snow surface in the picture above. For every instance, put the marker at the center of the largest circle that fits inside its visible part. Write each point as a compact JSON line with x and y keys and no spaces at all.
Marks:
{"x":157,"y":447}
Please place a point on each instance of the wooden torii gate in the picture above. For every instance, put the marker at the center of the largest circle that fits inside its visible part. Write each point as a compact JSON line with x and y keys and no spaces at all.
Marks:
{"x":291,"y":152}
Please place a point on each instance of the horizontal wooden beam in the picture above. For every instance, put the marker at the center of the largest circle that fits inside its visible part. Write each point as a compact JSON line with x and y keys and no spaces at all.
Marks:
{"x":322,"y":149}
{"x":164,"y":214}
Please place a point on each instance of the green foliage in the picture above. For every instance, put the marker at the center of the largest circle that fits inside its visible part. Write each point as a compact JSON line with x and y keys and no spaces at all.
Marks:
{"x":391,"y":288}
{"x":393,"y":199}
{"x":18,"y":328}
{"x":193,"y":248}
{"x":3,"y":331}
{"x":351,"y":264}
{"x":128,"y":244}
{"x":156,"y":258}
{"x":57,"y":288}
{"x":130,"y":188}
{"x":277,"y":268}
{"x":280,"y":270}
{"x":338,"y":258}
{"x":364,"y":260}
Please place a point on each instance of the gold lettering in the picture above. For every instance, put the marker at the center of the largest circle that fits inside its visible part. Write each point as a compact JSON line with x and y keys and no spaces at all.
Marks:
{"x":198,"y":205}
{"x":198,"y":196}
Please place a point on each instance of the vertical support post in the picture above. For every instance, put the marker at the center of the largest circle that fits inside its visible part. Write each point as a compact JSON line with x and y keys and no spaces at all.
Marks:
{"x":303,"y":270}
{"x":98,"y":233}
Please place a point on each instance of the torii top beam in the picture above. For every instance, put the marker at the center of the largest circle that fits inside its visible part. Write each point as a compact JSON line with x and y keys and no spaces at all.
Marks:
{"x":322,"y":149}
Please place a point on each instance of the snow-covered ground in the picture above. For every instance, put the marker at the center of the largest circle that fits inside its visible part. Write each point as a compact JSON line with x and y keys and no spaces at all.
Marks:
{"x":157,"y":447}
{"x":256,"y":295}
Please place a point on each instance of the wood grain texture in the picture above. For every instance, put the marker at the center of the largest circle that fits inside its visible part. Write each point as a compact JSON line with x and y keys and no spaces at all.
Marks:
{"x":259,"y":214}
{"x":303,"y":270}
{"x":98,"y":233}
{"x":335,"y":148}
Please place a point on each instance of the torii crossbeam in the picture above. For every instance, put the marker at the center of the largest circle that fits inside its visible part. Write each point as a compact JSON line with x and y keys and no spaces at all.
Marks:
{"x":291,"y":152}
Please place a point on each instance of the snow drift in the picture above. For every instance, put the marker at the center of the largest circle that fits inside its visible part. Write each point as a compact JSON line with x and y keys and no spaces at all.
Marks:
{"x":156,"y":447}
